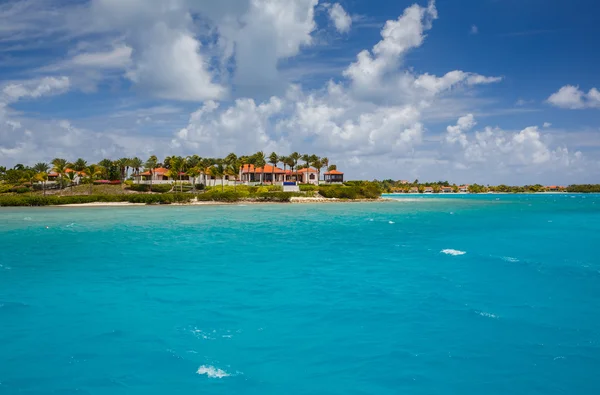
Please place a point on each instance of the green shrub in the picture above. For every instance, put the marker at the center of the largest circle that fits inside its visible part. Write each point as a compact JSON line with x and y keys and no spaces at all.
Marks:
{"x":4,"y":188}
{"x":37,"y":200}
{"x":21,"y":190}
{"x":140,"y":187}
{"x":161,"y":188}
{"x":308,"y":187}
{"x":227,"y":196}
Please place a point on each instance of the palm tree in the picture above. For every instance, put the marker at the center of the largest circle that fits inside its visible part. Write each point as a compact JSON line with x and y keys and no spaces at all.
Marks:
{"x":79,"y":165}
{"x":317,"y":165}
{"x":233,"y":169}
{"x":136,"y":164}
{"x":260,"y":161}
{"x":177,"y":166}
{"x":193,"y":172}
{"x":167,"y":162}
{"x":151,"y":164}
{"x":295,"y":157}
{"x":273,"y":159}
{"x":230,"y":161}
{"x":324,"y":163}
{"x":219,"y":170}
{"x":91,"y":172}
{"x":41,"y":169}
{"x":59,"y":166}
{"x":71,"y":175}
{"x":123,"y":165}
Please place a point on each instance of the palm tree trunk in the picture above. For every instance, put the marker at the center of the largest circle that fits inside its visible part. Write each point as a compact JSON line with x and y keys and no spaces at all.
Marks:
{"x":222,"y":185}
{"x":150,"y":180}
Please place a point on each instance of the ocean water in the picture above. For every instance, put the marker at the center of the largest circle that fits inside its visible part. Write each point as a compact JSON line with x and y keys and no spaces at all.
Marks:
{"x":494,"y":294}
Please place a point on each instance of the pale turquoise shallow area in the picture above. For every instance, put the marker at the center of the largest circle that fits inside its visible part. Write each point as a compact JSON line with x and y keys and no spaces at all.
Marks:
{"x":304,"y":299}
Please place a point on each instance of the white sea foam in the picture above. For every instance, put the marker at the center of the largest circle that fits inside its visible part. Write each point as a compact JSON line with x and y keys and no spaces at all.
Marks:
{"x":212,"y":372}
{"x":510,"y":259}
{"x":27,"y":219}
{"x":391,"y":222}
{"x":450,"y":251}
{"x":488,"y":315}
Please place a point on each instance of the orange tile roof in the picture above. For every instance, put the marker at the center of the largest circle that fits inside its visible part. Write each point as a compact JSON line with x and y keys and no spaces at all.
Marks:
{"x":267,"y":169}
{"x":306,"y":170}
{"x":334,"y":172}
{"x":158,"y":171}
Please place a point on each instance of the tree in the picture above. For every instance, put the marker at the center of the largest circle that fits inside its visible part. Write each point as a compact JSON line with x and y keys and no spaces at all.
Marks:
{"x":71,"y":175}
{"x":260,"y":161}
{"x":177,"y":167}
{"x":123,"y":165}
{"x":193,"y":172}
{"x":231,"y":166}
{"x":318,"y":165}
{"x":41,"y":170}
{"x":325,"y":163}
{"x":79,"y":165}
{"x":151,"y":164}
{"x":91,"y":172}
{"x":106,"y":164}
{"x":219,"y":170}
{"x":136,"y":164}
{"x":273,"y":160}
{"x":294,"y":158}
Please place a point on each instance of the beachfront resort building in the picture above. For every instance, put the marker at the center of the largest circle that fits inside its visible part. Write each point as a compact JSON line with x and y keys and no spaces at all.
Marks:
{"x":428,"y":190}
{"x":446,"y":190}
{"x":333,"y":176}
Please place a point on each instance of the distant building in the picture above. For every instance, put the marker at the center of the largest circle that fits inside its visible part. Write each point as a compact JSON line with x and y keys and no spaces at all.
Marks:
{"x":403,"y":182}
{"x":307,"y":176}
{"x":333,"y":176}
{"x":446,"y":190}
{"x":463,"y":189}
{"x":413,"y":190}
{"x":428,"y":190}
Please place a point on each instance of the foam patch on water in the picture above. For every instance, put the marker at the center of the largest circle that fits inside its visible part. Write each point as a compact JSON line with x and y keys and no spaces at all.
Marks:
{"x":488,"y":315}
{"x":450,"y":251}
{"x":212,"y":372}
{"x":391,"y":222}
{"x":510,"y":259}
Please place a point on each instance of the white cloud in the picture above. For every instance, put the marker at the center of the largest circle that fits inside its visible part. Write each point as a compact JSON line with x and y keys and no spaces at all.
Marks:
{"x":35,"y":88}
{"x":340,"y":18}
{"x":118,"y":57}
{"x":173,"y":68}
{"x":474,"y":29}
{"x":398,"y":36}
{"x":498,"y":148}
{"x":571,"y":97}
{"x":547,"y":124}
{"x":456,"y":133}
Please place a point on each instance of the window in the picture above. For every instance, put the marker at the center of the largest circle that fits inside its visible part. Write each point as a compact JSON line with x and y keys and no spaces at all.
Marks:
{"x":312,"y":176}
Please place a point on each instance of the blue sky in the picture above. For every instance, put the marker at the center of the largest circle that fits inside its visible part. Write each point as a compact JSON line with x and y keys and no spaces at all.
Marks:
{"x":482,"y":91}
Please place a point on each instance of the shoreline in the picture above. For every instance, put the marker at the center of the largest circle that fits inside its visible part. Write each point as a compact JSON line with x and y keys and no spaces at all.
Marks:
{"x":294,"y":200}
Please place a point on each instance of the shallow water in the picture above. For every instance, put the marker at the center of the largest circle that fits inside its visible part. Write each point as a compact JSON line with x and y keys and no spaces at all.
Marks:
{"x":436,"y":295}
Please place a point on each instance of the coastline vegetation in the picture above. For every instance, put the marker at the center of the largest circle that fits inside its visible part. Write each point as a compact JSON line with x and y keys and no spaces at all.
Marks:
{"x":393,"y":186}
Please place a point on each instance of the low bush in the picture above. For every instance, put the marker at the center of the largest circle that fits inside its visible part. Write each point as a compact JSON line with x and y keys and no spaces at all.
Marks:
{"x":308,"y":187}
{"x":227,"y":196}
{"x":37,"y":200}
{"x":140,"y":187}
{"x":356,"y":190}
{"x":161,"y":188}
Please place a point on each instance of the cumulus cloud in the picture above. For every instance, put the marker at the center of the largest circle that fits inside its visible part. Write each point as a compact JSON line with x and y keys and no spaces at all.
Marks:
{"x":340,"y":18}
{"x":492,"y":145}
{"x":571,"y":97}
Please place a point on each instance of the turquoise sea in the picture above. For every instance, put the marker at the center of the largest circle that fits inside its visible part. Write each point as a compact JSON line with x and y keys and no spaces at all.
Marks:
{"x":494,"y":294}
